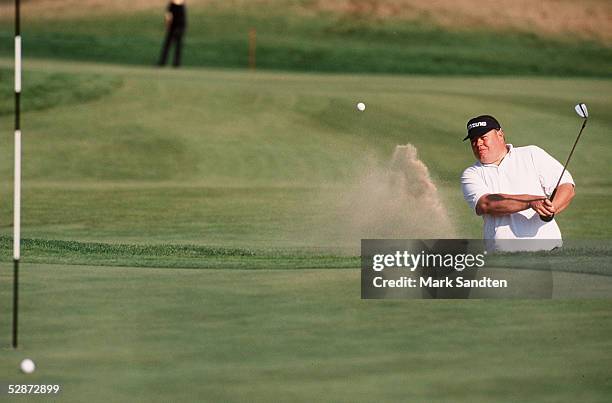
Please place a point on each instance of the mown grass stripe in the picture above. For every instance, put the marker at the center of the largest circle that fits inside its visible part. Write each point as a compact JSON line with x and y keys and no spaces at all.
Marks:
{"x":171,"y":256}
{"x":594,"y":258}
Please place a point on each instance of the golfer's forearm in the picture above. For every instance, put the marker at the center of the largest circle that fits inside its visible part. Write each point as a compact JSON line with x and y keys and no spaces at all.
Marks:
{"x":563,"y":197}
{"x":502,"y":204}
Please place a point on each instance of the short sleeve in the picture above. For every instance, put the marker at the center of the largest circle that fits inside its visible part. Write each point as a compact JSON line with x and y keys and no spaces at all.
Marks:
{"x":473,"y":187}
{"x":549,"y":169}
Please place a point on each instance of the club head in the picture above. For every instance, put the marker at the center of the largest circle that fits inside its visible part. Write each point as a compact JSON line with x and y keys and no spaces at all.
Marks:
{"x":582,"y":111}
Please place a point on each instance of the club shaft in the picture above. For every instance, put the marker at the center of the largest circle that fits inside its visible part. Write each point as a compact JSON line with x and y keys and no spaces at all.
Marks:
{"x":568,"y":160}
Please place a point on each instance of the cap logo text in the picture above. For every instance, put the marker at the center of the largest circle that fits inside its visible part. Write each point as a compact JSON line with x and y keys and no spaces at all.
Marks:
{"x":477,"y":124}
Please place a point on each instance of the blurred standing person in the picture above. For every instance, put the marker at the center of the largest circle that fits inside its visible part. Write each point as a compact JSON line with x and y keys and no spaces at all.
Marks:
{"x":176,"y":23}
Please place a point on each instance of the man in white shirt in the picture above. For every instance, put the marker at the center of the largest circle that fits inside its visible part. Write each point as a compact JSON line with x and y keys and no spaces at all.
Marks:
{"x":510,"y":187}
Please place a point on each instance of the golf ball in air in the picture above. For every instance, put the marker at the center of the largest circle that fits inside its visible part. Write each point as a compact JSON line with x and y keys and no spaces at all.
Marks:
{"x":361,"y":106}
{"x":27,"y":366}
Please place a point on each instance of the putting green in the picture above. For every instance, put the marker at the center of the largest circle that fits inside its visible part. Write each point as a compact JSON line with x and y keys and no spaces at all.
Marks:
{"x":125,"y":334}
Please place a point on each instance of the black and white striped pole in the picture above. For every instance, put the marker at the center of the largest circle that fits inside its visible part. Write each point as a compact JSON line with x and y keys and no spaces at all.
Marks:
{"x":17,"y":184}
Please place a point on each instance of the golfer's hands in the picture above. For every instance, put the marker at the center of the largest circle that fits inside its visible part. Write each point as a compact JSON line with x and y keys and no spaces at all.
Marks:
{"x":544,"y":207}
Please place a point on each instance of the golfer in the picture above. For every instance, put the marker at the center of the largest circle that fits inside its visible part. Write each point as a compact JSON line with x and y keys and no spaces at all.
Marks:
{"x":176,"y":23}
{"x":509,"y":187}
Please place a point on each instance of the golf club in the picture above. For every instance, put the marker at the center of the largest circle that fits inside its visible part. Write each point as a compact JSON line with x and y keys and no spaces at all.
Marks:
{"x":582,"y":111}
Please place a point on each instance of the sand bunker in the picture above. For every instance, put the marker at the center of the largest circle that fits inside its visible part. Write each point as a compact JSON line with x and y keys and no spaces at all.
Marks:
{"x":397,"y":201}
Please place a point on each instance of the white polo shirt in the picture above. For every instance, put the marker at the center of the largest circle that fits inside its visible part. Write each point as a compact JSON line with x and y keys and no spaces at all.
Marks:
{"x":524,"y":170}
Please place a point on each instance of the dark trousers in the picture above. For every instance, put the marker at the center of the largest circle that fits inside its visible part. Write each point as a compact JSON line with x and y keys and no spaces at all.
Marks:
{"x":172,"y":36}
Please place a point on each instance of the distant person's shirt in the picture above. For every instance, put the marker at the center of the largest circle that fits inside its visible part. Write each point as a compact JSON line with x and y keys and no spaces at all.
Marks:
{"x":179,"y":16}
{"x":524,"y":170}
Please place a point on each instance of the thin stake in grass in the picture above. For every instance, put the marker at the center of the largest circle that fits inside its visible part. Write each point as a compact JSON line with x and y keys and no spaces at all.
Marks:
{"x":17,"y":174}
{"x":252,"y":48}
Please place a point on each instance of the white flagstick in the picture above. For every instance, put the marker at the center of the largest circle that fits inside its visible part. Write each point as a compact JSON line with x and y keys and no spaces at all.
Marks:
{"x":17,"y":201}
{"x":18,"y":64}
{"x":17,"y":183}
{"x":16,"y":234}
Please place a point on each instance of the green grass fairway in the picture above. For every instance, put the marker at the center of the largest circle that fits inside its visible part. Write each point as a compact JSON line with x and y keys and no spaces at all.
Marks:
{"x":223,"y":172}
{"x":232,"y":159}
{"x":193,"y":234}
{"x":158,"y":335}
